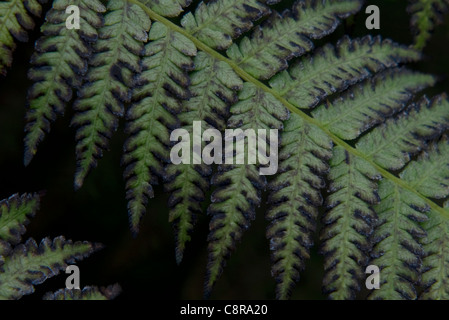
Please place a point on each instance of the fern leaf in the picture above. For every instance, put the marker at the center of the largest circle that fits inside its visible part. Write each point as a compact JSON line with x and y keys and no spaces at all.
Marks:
{"x":425,"y":15}
{"x":15,"y":19}
{"x":24,"y":265}
{"x":163,"y":86}
{"x":154,"y":79}
{"x":435,"y":278}
{"x":348,"y":224}
{"x":284,"y":37}
{"x":87,"y":293}
{"x":397,"y":251}
{"x":232,"y":210}
{"x":433,"y":169}
{"x":238,"y":186}
{"x":167,"y":8}
{"x":331,"y":69}
{"x":366,"y":105}
{"x":294,"y":197}
{"x":391,"y":144}
{"x":429,"y":175}
{"x":107,"y":86}
{"x":218,"y":22}
{"x":59,"y":62}
{"x":30,"y":264}
{"x":14,"y":214}
{"x":213,"y":87}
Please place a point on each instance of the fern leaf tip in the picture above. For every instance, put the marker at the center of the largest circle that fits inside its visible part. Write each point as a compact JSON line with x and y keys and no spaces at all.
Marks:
{"x":179,"y":255}
{"x":28,"y":156}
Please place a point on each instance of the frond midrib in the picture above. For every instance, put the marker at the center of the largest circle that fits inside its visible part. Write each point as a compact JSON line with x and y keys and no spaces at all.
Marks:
{"x":247,"y":77}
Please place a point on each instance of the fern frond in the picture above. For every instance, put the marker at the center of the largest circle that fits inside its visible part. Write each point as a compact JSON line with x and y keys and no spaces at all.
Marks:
{"x":213,"y":87}
{"x":425,"y":15}
{"x":163,"y":85}
{"x":284,"y":37}
{"x":15,"y":19}
{"x":368,"y":104}
{"x":59,"y":63}
{"x":155,"y":80}
{"x":429,"y":175}
{"x":232,"y":210}
{"x":348,"y":224}
{"x":435,"y":277}
{"x":330,"y":69}
{"x":294,"y":198}
{"x":392,"y":144}
{"x":433,"y":169}
{"x":87,"y":293}
{"x":397,"y":251}
{"x":31,"y":264}
{"x":238,"y":186}
{"x":14,"y":214}
{"x":108,"y":82}
{"x":22,"y":266}
{"x":167,"y":8}
{"x":218,"y":22}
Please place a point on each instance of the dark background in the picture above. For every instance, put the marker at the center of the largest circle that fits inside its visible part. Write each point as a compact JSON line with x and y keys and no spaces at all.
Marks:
{"x":145,"y":266}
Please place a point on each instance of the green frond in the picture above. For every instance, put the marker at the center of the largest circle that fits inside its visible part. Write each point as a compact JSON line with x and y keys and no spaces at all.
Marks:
{"x":30,"y":264}
{"x":232,"y":210}
{"x":392,"y":144}
{"x":425,"y":15}
{"x":163,"y":85}
{"x":368,"y":104}
{"x":348,"y":224}
{"x":286,"y":36}
{"x":238,"y":186}
{"x":397,"y":251}
{"x":331,"y":69}
{"x":213,"y":87}
{"x":257,"y":109}
{"x":136,"y":55}
{"x":108,"y":82}
{"x":15,"y":19}
{"x":294,"y":197}
{"x":87,"y":293}
{"x":187,"y":184}
{"x":14,"y":214}
{"x":429,"y":175}
{"x":432,"y":166}
{"x":58,"y":64}
{"x":435,"y":277}
{"x":167,"y":8}
{"x":217,"y":22}
{"x":22,"y":266}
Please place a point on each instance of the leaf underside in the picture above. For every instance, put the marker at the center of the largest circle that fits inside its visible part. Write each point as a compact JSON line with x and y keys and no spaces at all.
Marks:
{"x":87,"y":293}
{"x":24,"y":265}
{"x":16,"y":19}
{"x":354,"y":133}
